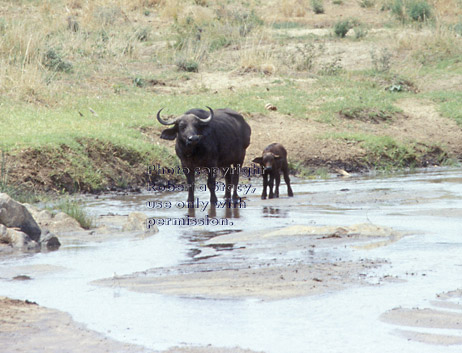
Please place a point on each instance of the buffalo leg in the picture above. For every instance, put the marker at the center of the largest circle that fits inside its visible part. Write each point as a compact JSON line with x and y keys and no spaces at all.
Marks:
{"x":211,"y":185}
{"x":278,"y":181}
{"x":285,"y":170}
{"x":228,"y":179}
{"x":190,"y":181}
{"x":271,"y":183}
{"x":235,"y":179}
{"x":265,"y":184}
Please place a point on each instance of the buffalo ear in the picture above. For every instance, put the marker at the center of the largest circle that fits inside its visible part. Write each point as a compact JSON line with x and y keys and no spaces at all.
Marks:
{"x":258,"y":160}
{"x":170,"y":133}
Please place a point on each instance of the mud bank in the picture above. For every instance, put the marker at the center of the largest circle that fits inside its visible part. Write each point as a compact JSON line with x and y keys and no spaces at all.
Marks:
{"x":28,"y":327}
{"x":290,"y":262}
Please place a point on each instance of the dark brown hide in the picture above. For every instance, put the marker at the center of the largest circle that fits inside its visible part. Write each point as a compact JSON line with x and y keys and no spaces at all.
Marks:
{"x":218,"y":143}
{"x":273,"y":161}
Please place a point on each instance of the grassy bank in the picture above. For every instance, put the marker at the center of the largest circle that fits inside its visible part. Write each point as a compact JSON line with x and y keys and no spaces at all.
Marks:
{"x":81,"y":83}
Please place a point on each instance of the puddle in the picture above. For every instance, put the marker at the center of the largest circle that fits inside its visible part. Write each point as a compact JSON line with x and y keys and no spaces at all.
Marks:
{"x":425,"y":206}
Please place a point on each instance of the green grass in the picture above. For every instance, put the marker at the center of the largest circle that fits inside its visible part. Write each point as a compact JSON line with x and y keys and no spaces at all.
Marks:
{"x":449,"y":104}
{"x":119,"y":118}
{"x":75,"y":210}
{"x":386,"y":153}
{"x":287,"y":25}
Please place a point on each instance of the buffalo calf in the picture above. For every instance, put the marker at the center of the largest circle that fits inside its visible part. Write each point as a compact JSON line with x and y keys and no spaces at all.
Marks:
{"x":273,"y":161}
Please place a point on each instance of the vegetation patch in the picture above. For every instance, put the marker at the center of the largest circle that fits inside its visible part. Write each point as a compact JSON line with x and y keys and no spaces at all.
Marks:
{"x":411,"y":10}
{"x":369,"y":115}
{"x":386,"y":153}
{"x":81,"y":81}
{"x":75,"y":210}
{"x":450,"y":104}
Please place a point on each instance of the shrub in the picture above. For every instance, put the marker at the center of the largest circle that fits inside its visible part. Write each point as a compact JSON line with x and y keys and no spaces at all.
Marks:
{"x":138,"y":82}
{"x":332,"y":68}
{"x":415,"y":10}
{"x":317,"y":6}
{"x":341,"y":28}
{"x":187,"y":65}
{"x":419,"y":10}
{"x":53,"y":60}
{"x":381,"y":62}
{"x":142,"y":34}
{"x":458,"y":28}
{"x":398,"y":9}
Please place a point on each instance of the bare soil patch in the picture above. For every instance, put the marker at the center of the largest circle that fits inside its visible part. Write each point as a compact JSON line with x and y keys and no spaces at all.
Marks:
{"x":57,"y":169}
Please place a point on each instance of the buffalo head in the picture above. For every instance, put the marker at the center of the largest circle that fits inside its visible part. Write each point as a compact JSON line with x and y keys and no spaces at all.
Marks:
{"x":187,"y":128}
{"x":268,"y":160}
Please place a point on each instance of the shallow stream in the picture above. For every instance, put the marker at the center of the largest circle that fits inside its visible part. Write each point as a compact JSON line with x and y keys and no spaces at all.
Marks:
{"x":426,"y":206}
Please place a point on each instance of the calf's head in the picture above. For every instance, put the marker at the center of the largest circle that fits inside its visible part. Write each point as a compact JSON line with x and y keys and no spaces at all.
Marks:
{"x":268,"y":160}
{"x":187,"y":128}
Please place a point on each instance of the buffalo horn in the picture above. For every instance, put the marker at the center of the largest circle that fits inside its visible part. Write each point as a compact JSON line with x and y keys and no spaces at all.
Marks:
{"x":207,"y":120}
{"x":162,"y":121}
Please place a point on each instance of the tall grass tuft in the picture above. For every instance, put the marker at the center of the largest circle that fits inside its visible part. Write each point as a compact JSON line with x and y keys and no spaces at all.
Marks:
{"x":411,"y":10}
{"x":76,"y":211}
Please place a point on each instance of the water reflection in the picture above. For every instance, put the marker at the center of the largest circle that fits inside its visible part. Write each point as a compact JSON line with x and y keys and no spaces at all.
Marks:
{"x":274,"y":212}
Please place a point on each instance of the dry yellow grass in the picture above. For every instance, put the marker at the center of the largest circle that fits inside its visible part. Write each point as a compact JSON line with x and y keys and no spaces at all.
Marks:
{"x":293,"y":8}
{"x":448,"y":10}
{"x":101,"y":38}
{"x":430,"y":45}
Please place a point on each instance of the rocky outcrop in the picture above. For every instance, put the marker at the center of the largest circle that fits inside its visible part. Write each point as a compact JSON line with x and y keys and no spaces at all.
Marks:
{"x":17,"y":239}
{"x":49,"y":241}
{"x":19,"y":229}
{"x":56,"y":223}
{"x":15,"y":215}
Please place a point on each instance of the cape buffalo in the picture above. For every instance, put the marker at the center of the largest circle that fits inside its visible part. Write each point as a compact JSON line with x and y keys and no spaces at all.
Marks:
{"x":214,"y":140}
{"x":273,"y":160}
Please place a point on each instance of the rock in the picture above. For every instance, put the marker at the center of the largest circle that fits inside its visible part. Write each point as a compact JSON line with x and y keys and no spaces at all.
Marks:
{"x":15,"y":215}
{"x":50,"y":242}
{"x":17,"y":239}
{"x":61,"y":222}
{"x":4,"y":237}
{"x":136,"y":221}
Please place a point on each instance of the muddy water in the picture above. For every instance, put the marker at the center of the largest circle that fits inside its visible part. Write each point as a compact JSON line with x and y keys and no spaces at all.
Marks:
{"x":427,"y":206}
